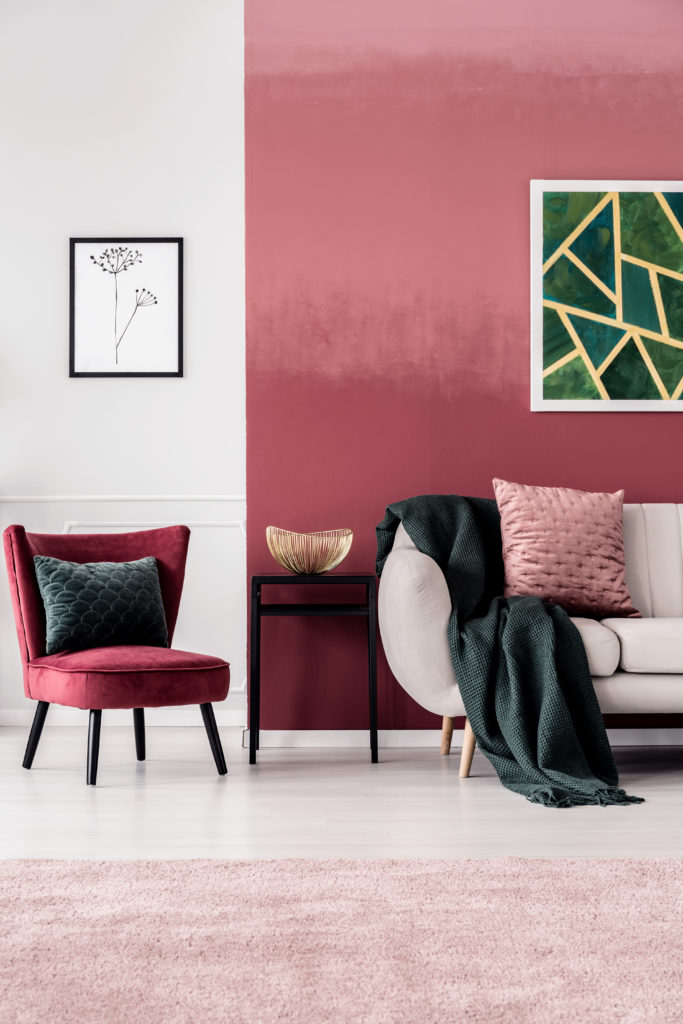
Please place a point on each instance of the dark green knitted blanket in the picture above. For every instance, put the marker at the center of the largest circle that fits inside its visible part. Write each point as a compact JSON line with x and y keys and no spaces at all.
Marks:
{"x":519,"y":662}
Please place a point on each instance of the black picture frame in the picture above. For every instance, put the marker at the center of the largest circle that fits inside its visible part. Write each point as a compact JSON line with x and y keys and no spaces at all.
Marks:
{"x":172,"y":339}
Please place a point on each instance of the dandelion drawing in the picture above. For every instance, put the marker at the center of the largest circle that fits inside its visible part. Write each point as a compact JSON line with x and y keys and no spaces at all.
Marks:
{"x":115,"y":261}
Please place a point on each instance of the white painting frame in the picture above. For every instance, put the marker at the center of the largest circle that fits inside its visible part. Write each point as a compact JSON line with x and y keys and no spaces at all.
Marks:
{"x":541,"y":403}
{"x":126,"y":307}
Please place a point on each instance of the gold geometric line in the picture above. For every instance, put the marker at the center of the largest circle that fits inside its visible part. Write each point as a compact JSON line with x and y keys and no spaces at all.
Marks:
{"x":652,"y":266}
{"x":570,"y":239}
{"x":654,"y":284}
{"x":613,"y":354}
{"x":670,"y":214}
{"x":678,"y":391}
{"x":591,"y":276}
{"x":561,"y":362}
{"x":651,"y":367}
{"x":602,"y":391}
{"x":616,"y":230}
{"x":611,"y":322}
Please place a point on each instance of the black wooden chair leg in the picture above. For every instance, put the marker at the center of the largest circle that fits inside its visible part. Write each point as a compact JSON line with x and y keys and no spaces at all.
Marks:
{"x":34,"y":735}
{"x":93,"y":745}
{"x":139,"y":725}
{"x":214,"y":738}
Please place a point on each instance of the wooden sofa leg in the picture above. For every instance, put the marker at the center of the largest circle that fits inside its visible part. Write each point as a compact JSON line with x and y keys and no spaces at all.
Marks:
{"x":446,"y":734}
{"x":468,"y":745}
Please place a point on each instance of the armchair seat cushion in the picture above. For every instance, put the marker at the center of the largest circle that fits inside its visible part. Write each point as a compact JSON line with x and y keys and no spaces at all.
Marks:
{"x":649,"y":645}
{"x":128,"y":677}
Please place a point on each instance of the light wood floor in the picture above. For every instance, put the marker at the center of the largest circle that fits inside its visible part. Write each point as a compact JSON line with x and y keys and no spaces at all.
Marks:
{"x":309,"y":803}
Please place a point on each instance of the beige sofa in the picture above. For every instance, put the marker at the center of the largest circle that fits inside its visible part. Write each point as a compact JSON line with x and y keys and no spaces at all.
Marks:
{"x":636,"y":664}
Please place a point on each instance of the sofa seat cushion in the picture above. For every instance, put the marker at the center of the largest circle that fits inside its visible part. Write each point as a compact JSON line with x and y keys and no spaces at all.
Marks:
{"x":642,"y":693}
{"x":602,"y":645}
{"x":128,"y":677}
{"x":649,"y":645}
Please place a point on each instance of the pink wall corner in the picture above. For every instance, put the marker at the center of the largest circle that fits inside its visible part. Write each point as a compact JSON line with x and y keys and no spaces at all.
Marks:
{"x":387,"y":275}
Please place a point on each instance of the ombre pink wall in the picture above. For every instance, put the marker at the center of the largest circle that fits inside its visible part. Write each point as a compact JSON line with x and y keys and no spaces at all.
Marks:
{"x":390,"y":145}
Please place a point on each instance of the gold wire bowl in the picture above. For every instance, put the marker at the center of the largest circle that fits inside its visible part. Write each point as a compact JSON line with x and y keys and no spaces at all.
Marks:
{"x":308,"y":553}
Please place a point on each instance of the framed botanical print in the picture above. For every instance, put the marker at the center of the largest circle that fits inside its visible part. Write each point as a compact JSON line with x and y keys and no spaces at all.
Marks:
{"x":126,"y":307}
{"x":607,"y":296}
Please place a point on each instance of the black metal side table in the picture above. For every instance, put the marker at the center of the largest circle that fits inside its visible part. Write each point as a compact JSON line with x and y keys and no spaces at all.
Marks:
{"x":258,"y":610}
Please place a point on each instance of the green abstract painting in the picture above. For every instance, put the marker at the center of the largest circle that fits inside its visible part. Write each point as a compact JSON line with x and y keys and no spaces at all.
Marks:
{"x":607,"y":296}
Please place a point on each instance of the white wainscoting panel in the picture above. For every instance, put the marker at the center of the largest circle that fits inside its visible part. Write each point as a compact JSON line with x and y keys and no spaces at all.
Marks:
{"x":213,"y":609}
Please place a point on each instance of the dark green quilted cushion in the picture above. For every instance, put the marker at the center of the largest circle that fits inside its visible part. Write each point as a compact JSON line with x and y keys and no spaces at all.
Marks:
{"x":101,"y":604}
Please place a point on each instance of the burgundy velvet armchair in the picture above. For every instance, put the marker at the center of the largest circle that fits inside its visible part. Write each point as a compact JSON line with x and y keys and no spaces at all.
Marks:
{"x":135,"y":677}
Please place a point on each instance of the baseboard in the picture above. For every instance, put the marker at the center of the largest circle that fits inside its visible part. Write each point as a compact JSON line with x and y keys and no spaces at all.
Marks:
{"x":332,"y":738}
{"x":178,"y":717}
{"x":341,"y":738}
{"x":344,"y":738}
{"x":645,"y":737}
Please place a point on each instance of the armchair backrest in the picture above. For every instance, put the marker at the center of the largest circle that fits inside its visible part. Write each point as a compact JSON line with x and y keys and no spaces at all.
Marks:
{"x":168,"y":545}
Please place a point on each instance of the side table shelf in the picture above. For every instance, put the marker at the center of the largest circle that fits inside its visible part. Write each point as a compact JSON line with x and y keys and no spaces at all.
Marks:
{"x":258,"y":610}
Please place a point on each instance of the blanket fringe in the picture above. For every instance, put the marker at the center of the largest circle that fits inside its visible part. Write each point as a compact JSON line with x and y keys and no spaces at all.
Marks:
{"x":617,"y":796}
{"x":550,"y":797}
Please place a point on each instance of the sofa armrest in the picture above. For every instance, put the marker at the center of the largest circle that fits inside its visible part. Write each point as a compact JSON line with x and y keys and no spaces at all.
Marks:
{"x":414,"y":607}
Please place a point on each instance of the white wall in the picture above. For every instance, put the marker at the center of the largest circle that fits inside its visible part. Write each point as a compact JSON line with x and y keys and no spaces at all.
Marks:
{"x":124,"y":119}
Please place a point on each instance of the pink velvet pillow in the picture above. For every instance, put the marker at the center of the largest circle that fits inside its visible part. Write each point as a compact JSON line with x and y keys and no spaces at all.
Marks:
{"x":565,"y":546}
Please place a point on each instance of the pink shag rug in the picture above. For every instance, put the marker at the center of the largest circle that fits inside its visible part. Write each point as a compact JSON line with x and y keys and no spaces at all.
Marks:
{"x":373,"y":941}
